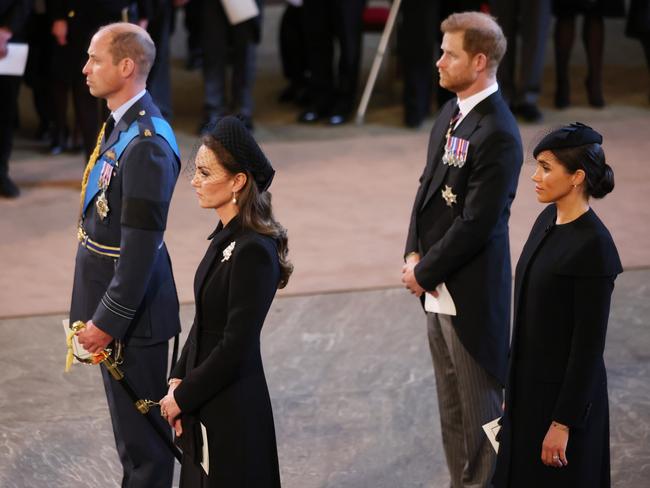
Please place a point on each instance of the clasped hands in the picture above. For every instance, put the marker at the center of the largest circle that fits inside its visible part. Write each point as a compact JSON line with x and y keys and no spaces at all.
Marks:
{"x":170,"y":410}
{"x":408,"y":276}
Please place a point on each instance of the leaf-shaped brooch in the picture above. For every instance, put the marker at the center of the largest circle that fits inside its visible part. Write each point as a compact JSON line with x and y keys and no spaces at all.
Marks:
{"x":227,"y":252}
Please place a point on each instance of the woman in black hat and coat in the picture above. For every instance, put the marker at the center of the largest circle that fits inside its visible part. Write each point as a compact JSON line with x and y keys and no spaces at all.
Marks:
{"x":555,"y":427}
{"x":218,"y":390}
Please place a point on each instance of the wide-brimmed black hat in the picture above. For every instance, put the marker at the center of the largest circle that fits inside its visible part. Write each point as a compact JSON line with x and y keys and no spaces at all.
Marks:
{"x":233,"y":135}
{"x":572,"y":135}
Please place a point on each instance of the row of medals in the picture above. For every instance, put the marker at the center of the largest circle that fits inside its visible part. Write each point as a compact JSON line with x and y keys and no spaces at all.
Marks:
{"x":453,"y":157}
{"x":101,"y":204}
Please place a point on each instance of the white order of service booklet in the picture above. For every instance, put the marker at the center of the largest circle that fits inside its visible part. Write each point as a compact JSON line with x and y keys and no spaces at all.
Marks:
{"x":491,"y":429}
{"x":443,"y":303}
{"x":239,"y":11}
{"x":13,"y":64}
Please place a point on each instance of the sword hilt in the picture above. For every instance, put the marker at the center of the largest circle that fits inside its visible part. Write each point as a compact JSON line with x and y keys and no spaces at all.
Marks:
{"x":145,"y":405}
{"x":107,"y":360}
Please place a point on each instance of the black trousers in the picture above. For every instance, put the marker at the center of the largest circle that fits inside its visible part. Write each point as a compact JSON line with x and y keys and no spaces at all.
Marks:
{"x":292,"y":45}
{"x":327,"y":22}
{"x":418,"y":35}
{"x":146,"y":460}
{"x":220,"y":39}
{"x":39,"y":67}
{"x":9,"y":87}
{"x":520,"y":78}
{"x":159,"y":81}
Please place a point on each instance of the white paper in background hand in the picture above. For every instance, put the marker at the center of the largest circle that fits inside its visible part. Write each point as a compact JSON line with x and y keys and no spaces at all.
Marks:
{"x":239,"y":11}
{"x":13,"y":64}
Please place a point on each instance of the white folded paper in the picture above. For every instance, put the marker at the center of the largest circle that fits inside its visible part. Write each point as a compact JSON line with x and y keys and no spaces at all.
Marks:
{"x":491,"y":430}
{"x":13,"y":64}
{"x":205,"y":463}
{"x":77,"y":348}
{"x":239,"y":11}
{"x":443,"y":303}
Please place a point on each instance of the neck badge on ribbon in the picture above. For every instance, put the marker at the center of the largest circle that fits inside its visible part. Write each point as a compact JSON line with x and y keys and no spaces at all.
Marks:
{"x":109,"y":161}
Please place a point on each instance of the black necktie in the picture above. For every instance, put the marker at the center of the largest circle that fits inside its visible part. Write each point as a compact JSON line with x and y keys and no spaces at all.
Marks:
{"x":110,"y":125}
{"x":454,"y":119}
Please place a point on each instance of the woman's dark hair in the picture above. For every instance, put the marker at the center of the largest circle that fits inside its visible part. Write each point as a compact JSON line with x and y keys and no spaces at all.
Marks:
{"x":255,"y":209}
{"x":599,"y":176}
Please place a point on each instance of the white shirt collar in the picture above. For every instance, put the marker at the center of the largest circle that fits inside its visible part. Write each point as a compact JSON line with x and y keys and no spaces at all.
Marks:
{"x":119,"y":112}
{"x":466,"y":105}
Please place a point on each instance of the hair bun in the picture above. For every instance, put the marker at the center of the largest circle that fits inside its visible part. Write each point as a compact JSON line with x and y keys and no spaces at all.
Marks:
{"x":606,"y":183}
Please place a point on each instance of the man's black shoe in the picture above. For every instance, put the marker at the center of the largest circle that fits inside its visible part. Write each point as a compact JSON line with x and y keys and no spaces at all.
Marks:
{"x":207,"y":124}
{"x":311,"y":115}
{"x":338,"y":118}
{"x":529,"y":112}
{"x":8,"y":188}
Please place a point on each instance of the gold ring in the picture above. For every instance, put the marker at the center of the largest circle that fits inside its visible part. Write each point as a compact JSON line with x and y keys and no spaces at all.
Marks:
{"x":556,"y":457}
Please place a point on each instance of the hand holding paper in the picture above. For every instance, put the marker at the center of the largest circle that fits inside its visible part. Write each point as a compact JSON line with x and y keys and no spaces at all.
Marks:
{"x":443,"y":303}
{"x":15,"y":58}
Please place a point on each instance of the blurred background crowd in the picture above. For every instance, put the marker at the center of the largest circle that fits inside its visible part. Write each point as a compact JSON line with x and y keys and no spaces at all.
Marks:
{"x":320,"y":46}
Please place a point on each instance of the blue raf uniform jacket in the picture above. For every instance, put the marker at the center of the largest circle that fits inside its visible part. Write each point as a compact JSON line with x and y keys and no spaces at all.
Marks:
{"x":123,"y":276}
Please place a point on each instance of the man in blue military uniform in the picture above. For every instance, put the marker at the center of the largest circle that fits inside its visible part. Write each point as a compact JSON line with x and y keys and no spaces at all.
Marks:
{"x":123,"y":285}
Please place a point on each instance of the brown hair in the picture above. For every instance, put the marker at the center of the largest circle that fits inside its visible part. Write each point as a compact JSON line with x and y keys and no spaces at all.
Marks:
{"x":481,"y":35}
{"x":255,"y":209}
{"x":131,"y":41}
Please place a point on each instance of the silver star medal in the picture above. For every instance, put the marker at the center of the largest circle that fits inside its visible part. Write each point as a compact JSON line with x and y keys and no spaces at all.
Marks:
{"x":455,"y":151}
{"x":101,"y":204}
{"x":449,"y":196}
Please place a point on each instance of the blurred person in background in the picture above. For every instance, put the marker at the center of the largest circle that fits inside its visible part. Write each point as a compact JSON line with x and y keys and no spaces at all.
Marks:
{"x":333,"y":84}
{"x":13,"y":17}
{"x":593,"y":38}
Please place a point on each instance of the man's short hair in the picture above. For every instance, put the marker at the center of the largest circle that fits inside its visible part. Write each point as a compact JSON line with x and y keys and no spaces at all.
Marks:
{"x":482,"y":35}
{"x":131,"y":41}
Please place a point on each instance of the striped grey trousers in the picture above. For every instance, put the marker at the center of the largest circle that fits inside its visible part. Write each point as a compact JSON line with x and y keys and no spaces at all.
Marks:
{"x":468,"y":397}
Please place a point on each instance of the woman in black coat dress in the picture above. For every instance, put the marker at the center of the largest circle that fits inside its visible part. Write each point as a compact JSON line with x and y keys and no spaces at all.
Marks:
{"x":555,"y":427}
{"x":217,"y":388}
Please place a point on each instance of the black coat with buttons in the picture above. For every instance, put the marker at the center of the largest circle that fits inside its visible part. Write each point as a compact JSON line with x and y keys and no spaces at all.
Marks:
{"x":563,"y":286}
{"x":224,"y":385}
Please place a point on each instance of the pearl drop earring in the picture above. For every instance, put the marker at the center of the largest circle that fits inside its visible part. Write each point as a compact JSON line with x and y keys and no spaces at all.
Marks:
{"x":234,"y":198}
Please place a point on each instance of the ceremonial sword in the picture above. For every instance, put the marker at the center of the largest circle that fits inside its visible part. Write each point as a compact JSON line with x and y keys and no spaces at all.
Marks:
{"x":142,"y":405}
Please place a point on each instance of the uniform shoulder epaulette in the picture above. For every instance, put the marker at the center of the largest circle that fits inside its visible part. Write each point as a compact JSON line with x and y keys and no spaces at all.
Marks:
{"x":146,"y":126}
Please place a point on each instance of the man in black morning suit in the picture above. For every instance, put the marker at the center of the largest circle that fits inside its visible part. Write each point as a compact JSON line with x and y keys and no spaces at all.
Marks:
{"x":123,"y":285}
{"x":74,"y":23}
{"x":458,"y":236}
{"x":13,"y":16}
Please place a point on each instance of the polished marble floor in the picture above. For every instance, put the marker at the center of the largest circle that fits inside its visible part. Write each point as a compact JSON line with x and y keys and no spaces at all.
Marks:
{"x":352,"y":390}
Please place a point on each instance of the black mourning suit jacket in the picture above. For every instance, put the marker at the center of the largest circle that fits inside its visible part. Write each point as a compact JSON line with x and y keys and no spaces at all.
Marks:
{"x":466,"y":245}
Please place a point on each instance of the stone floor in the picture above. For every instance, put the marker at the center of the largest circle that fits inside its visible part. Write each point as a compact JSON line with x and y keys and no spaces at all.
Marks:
{"x":344,"y":347}
{"x":351,"y":384}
